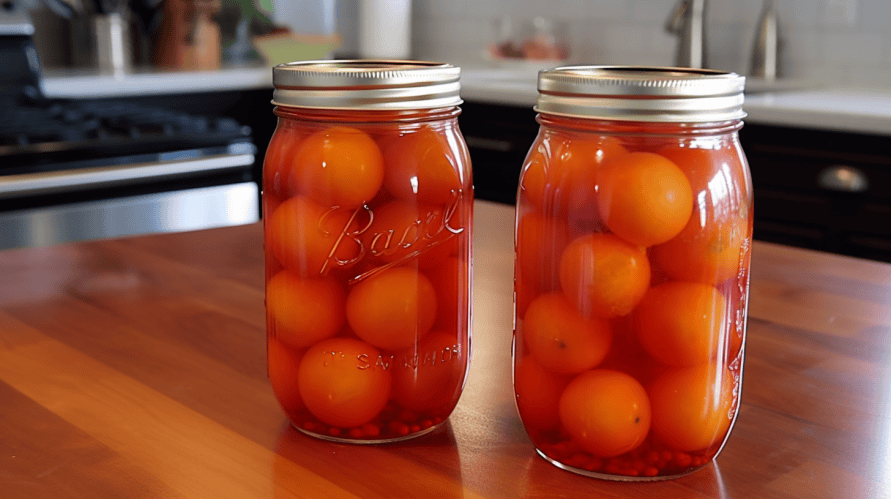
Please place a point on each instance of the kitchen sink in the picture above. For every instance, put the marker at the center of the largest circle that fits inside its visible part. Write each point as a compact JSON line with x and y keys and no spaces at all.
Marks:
{"x":761,"y":86}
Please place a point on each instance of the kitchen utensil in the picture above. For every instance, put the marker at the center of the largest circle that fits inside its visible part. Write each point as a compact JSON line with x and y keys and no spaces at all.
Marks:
{"x":102,"y":41}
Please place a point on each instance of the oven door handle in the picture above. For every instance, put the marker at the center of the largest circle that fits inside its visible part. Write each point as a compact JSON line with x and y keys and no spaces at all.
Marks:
{"x":30,"y":184}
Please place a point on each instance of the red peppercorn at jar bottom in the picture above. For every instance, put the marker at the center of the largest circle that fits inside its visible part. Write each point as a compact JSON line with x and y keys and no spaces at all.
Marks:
{"x":642,"y":465}
{"x":392,"y":425}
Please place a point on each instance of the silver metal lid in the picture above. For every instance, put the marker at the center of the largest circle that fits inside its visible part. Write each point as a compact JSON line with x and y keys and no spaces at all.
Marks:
{"x":631,"y":93}
{"x":366,"y":85}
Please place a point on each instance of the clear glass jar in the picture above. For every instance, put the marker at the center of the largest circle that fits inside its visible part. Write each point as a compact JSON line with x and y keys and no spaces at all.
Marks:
{"x":633,"y":236}
{"x":368,"y":205}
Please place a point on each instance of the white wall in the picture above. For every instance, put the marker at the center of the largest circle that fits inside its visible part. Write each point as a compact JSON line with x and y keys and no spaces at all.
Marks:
{"x":846,"y":41}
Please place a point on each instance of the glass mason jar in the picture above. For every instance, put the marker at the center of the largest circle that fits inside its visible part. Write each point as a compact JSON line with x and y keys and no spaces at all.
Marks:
{"x":367,"y":209}
{"x":633,"y":236}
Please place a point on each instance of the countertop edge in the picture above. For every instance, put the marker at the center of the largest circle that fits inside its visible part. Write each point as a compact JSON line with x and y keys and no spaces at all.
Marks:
{"x":65,"y":85}
{"x":820,"y":120}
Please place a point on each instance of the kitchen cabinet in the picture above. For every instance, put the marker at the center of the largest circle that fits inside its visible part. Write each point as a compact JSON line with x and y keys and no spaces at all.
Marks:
{"x":817,"y":189}
{"x":820,"y":189}
{"x":498,"y":138}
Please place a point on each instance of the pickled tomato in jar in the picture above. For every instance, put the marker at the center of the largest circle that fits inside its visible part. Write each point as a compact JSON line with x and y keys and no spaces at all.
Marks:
{"x":367,"y":224}
{"x":634,"y":227}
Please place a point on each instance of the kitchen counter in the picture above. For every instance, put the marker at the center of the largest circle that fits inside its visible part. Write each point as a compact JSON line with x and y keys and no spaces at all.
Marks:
{"x":71,"y":84}
{"x":858,"y":110}
{"x":135,"y":368}
{"x":790,"y":103}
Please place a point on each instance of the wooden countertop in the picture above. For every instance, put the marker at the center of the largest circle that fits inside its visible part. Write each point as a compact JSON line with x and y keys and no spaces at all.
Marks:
{"x":135,"y":368}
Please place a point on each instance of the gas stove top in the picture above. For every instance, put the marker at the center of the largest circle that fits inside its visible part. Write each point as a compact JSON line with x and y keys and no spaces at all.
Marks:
{"x":61,"y":135}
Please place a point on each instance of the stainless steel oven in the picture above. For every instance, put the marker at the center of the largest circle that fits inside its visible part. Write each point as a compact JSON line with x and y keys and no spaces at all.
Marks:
{"x":86,"y":169}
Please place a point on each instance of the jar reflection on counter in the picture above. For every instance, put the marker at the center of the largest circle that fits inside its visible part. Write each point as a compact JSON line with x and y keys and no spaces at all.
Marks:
{"x":368,"y":224}
{"x":634,"y":224}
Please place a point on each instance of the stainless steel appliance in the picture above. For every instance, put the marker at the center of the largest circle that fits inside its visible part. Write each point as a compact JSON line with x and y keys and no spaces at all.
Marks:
{"x":84,"y":169}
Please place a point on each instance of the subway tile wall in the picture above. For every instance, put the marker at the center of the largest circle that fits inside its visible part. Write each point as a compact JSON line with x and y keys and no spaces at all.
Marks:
{"x":838,"y":41}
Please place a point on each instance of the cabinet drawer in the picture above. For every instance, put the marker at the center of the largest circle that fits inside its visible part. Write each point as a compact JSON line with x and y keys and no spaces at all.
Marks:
{"x":868,"y":246}
{"x":792,"y":206}
{"x":824,"y":190}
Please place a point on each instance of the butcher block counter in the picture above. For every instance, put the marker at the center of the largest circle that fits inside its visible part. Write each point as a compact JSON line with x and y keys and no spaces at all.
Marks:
{"x":135,"y":368}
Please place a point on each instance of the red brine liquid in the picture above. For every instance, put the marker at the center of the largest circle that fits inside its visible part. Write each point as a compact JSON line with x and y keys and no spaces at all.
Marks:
{"x":367,"y":239}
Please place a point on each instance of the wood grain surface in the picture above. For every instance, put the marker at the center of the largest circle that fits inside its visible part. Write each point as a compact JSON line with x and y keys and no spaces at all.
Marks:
{"x":135,"y":368}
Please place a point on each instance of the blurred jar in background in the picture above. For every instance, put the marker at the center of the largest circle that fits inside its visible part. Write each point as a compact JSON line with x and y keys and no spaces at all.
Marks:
{"x":367,"y":208}
{"x":634,"y":226}
{"x":188,"y":36}
{"x":537,"y":39}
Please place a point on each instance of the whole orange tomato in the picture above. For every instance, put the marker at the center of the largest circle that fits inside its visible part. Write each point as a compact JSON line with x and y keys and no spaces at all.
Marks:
{"x":681,"y":323}
{"x":307,"y":238}
{"x":561,"y":340}
{"x":304,"y":310}
{"x":603,"y":275}
{"x":421,"y":167}
{"x":606,"y":412}
{"x":709,"y":246}
{"x":392,"y":309}
{"x":692,"y":406}
{"x":338,"y":166}
{"x":341,"y":383}
{"x":643,"y":197}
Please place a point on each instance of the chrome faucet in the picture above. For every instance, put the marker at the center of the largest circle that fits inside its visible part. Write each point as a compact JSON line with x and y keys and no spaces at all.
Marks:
{"x":687,"y":21}
{"x":767,"y":46}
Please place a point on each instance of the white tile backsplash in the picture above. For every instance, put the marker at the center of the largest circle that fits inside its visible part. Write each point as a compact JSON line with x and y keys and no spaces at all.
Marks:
{"x":840,"y":13}
{"x":653,"y":12}
{"x":802,"y":14}
{"x":732,"y":12}
{"x":875,"y":15}
{"x":824,"y":40}
{"x":622,"y":37}
{"x":854,"y":48}
{"x":802,"y":45}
